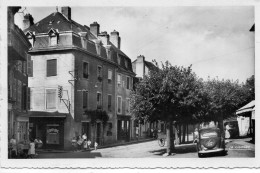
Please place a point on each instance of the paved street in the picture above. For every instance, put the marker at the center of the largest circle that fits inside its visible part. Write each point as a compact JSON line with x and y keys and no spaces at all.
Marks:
{"x":237,"y":148}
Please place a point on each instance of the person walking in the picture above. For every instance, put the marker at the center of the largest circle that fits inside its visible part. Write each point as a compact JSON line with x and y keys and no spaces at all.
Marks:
{"x":196,"y":135}
{"x":13,"y":146}
{"x":31,"y":151}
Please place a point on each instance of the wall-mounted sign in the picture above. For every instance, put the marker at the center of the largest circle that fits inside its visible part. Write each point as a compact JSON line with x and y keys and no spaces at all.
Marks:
{"x":53,"y":131}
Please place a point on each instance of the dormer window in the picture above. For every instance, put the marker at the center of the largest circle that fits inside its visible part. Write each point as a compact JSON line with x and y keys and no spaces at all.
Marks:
{"x":31,"y":37}
{"x":98,"y":47}
{"x":118,"y":59}
{"x":53,"y":37}
{"x":126,"y":63}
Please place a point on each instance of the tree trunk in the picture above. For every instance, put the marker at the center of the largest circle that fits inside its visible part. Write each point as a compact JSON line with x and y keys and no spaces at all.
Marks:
{"x":187,"y":133}
{"x":220,"y":124}
{"x":170,"y":138}
{"x":183,"y":133}
{"x":179,"y":133}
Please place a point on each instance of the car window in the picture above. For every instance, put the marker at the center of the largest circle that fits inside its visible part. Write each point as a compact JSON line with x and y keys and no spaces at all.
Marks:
{"x":208,"y":134}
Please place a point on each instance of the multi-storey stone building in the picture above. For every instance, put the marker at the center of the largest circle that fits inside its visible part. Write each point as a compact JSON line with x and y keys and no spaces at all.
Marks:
{"x":87,"y":69}
{"x":18,"y":46}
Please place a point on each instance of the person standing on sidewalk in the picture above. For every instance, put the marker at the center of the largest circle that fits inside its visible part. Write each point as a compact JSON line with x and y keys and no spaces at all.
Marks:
{"x":137,"y":133}
{"x":31,"y":151}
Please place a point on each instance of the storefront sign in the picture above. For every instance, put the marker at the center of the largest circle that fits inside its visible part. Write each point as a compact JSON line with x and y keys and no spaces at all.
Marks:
{"x":53,"y":131}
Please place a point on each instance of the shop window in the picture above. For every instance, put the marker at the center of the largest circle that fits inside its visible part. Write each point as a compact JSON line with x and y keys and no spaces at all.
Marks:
{"x":53,"y":134}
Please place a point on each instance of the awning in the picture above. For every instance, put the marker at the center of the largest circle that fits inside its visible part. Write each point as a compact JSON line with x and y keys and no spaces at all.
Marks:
{"x":247,"y":108}
{"x":46,"y":114}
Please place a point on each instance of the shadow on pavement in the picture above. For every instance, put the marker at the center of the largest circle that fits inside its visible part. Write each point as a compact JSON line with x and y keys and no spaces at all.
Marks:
{"x":69,"y":155}
{"x":182,"y":149}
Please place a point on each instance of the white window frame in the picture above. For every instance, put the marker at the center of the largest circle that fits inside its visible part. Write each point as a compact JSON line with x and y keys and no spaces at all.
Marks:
{"x":128,"y":77}
{"x":109,"y":70}
{"x":56,"y":96}
{"x":53,"y":36}
{"x":120,"y":106}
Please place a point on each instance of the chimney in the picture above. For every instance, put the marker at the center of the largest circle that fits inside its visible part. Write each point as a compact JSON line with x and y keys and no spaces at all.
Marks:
{"x":104,"y":37}
{"x":66,"y":11}
{"x":27,"y":21}
{"x":140,"y":58}
{"x":94,"y":28}
{"x":115,"y":39}
{"x":11,"y":13}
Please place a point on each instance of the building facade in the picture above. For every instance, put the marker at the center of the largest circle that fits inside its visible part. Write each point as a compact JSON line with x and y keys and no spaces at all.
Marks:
{"x":18,"y":46}
{"x":75,"y":71}
{"x":142,"y":67}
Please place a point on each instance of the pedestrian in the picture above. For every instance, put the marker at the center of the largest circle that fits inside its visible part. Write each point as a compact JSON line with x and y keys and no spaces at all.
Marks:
{"x":196,"y":135}
{"x":80,"y":142}
{"x":84,"y":136}
{"x":31,"y":151}
{"x":137,"y":132}
{"x":96,"y":145}
{"x":89,"y":143}
{"x":13,"y":146}
{"x":74,"y":143}
{"x":227,"y":133}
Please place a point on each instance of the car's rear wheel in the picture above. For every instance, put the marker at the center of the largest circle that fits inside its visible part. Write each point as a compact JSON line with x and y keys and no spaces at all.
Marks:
{"x":200,"y":155}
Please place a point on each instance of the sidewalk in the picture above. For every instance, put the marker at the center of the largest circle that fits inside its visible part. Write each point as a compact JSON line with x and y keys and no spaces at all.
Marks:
{"x":99,"y":147}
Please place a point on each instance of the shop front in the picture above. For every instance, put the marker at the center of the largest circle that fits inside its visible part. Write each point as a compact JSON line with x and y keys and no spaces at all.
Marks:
{"x":49,"y":128}
{"x":123,"y":127}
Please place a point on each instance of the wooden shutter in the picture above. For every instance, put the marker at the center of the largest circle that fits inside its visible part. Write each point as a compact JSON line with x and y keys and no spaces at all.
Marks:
{"x":85,"y":99}
{"x":52,"y":67}
{"x":28,"y":98}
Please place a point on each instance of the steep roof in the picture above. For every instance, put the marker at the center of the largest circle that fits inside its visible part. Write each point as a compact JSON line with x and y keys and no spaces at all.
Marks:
{"x":149,"y":65}
{"x":58,"y":21}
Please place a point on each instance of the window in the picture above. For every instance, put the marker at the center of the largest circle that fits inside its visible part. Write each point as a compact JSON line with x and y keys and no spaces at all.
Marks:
{"x":109,"y":103}
{"x":127,"y":82}
{"x":119,"y":80}
{"x":109,"y":78}
{"x":28,"y":98}
{"x":53,"y":134}
{"x":109,"y":54}
{"x":85,"y":70}
{"x":127,"y":106}
{"x":119,"y":104}
{"x":118,"y":59}
{"x":53,"y":39}
{"x":99,"y":71}
{"x":24,"y":67}
{"x":99,"y":101}
{"x":51,"y":67}
{"x":126,"y":63}
{"x":51,"y":98}
{"x":85,"y":99}
{"x":24,"y":98}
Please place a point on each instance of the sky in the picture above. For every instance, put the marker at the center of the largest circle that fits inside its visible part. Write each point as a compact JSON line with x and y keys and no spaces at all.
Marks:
{"x":214,"y":39}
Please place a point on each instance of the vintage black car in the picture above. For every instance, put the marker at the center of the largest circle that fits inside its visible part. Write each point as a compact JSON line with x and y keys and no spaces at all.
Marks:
{"x":210,"y":140}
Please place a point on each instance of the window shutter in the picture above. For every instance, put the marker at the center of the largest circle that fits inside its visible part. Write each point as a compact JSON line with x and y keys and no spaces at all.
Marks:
{"x":85,"y":99}
{"x":52,"y":67}
{"x":28,"y":98}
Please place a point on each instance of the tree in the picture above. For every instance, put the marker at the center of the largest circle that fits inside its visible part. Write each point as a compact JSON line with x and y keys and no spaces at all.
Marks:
{"x":171,"y":94}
